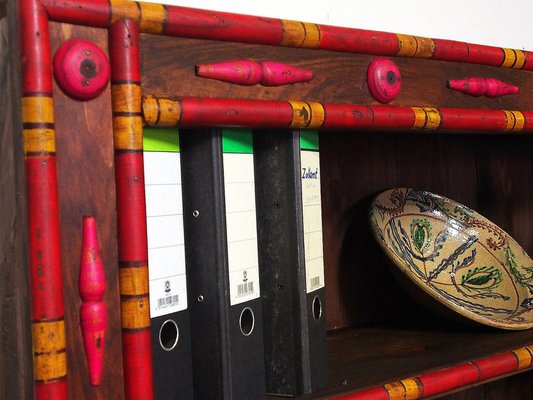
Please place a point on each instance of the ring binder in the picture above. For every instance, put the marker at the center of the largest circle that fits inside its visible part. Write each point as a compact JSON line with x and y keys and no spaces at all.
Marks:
{"x":222,"y":265}
{"x":169,"y":313}
{"x":287,"y":172}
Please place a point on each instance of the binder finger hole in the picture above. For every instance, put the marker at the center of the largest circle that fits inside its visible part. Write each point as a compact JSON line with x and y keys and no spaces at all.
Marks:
{"x":317,"y":308}
{"x":168,"y":335}
{"x":247,"y":321}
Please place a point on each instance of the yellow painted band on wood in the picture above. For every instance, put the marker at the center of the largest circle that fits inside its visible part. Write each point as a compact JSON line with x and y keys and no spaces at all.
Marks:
{"x":153,"y":18}
{"x":514,"y":121}
{"x":301,"y":114}
{"x":150,"y":108}
{"x":300,"y":34}
{"x":318,"y":114}
{"x":520,"y":121}
{"x":39,"y":140}
{"x":433,"y":118}
{"x":48,"y":336}
{"x":513,"y":58}
{"x":37,"y":109}
{"x":524,"y":358}
{"x":293,"y":33}
{"x":509,"y":121}
{"x":135,"y":312}
{"x":425,"y":47}
{"x":509,"y":58}
{"x":426,"y":118}
{"x":121,"y":9}
{"x":307,"y":115}
{"x":520,"y":59}
{"x":407,"y":45}
{"x":127,"y":133}
{"x":413,"y":389}
{"x":395,"y":390}
{"x":49,"y":355}
{"x":312,"y":35}
{"x":126,"y":97}
{"x":47,"y":367}
{"x":161,"y":112}
{"x":133,"y":280}
{"x":420,"y":118}
{"x":415,"y":46}
{"x":170,"y":112}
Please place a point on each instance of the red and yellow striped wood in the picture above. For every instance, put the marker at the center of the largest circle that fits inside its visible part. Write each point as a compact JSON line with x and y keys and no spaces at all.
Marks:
{"x":131,"y":209}
{"x":48,"y":325}
{"x":200,"y":112}
{"x":449,"y":379}
{"x":214,"y":25}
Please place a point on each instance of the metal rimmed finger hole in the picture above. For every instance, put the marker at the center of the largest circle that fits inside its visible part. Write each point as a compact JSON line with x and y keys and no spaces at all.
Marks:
{"x":317,"y":308}
{"x":195,"y":213}
{"x":169,"y":335}
{"x":247,"y":321}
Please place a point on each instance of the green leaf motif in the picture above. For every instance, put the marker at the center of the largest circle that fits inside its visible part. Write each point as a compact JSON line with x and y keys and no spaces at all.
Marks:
{"x":510,"y":262}
{"x":482,"y":278}
{"x":420,"y":233}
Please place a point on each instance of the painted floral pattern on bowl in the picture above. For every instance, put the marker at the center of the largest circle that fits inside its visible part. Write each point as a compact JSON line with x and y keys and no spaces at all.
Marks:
{"x":457,"y":256}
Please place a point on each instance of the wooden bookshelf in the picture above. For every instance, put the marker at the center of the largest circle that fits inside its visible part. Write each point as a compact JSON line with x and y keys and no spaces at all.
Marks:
{"x":377,"y":332}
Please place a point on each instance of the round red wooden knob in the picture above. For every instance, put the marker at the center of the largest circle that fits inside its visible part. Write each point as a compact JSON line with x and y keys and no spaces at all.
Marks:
{"x":81,"y":69}
{"x":384,"y":80}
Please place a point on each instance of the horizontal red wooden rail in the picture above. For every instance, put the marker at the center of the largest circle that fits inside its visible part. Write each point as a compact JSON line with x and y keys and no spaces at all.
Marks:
{"x":445,"y":380}
{"x":199,"y":111}
{"x":213,"y":25}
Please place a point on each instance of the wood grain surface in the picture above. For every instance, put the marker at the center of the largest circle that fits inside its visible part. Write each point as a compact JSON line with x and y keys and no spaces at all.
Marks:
{"x":373,"y":356}
{"x":168,"y":66}
{"x":86,"y":185}
{"x":16,"y":379}
{"x":492,"y":174}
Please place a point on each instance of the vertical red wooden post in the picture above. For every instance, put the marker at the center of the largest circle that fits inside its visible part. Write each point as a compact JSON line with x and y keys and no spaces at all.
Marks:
{"x":131,"y":210}
{"x":48,"y":324}
{"x":93,"y":312}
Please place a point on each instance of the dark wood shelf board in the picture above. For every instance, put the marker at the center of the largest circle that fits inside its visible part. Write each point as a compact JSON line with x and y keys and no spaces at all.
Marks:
{"x":371,"y":356}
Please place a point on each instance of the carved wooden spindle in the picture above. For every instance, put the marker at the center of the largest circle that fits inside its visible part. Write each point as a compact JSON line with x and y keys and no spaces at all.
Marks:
{"x":477,"y":87}
{"x":249,"y":72}
{"x":93,"y":313}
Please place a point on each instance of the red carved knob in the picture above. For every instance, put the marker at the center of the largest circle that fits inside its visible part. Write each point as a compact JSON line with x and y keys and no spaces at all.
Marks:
{"x":81,"y":69}
{"x":384,"y":80}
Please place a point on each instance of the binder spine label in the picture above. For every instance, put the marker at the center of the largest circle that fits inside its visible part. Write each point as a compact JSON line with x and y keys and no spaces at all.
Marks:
{"x":312,"y":211}
{"x":164,"y":217}
{"x":241,"y":221}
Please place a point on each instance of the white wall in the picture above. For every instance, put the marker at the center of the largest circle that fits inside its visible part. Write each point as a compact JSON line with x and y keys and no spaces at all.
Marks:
{"x":494,"y":22}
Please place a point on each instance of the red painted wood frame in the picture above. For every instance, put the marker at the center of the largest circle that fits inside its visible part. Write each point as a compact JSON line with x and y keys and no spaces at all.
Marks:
{"x":131,"y":209}
{"x":195,"y":111}
{"x":119,"y":16}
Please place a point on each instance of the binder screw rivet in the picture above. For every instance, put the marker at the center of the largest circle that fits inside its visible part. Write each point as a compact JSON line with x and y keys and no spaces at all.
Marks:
{"x":200,"y":298}
{"x":195,"y":213}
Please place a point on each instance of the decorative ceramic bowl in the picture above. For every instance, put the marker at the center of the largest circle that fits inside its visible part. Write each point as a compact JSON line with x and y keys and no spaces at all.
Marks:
{"x":456,"y":256}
